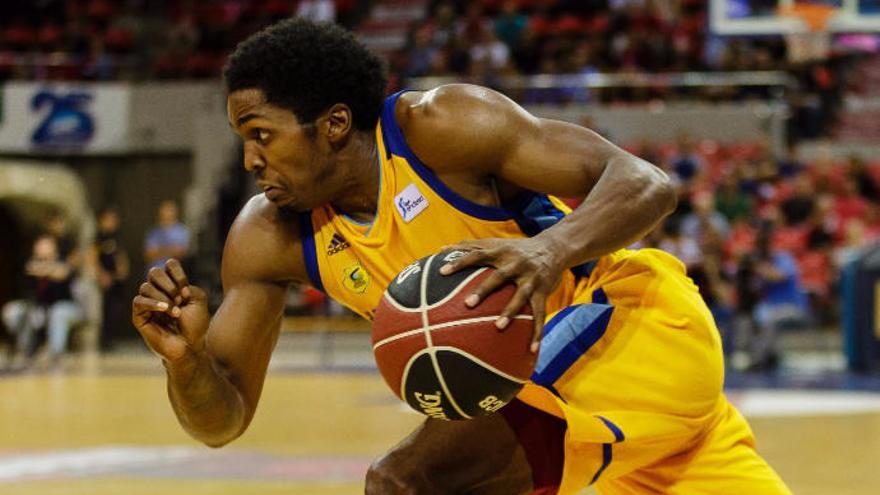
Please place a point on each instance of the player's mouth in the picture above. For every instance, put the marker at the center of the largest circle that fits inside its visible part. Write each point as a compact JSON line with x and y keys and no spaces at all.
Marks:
{"x":273,"y":194}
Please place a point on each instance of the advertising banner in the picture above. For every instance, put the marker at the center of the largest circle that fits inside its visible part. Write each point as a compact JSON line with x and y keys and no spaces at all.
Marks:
{"x":44,"y":118}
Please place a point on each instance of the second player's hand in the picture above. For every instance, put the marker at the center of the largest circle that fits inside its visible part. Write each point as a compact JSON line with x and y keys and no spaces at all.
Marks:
{"x":528,"y":263}
{"x":170,"y":314}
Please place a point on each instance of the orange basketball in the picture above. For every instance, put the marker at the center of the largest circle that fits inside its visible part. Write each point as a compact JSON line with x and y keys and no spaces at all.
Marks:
{"x":444,"y":359}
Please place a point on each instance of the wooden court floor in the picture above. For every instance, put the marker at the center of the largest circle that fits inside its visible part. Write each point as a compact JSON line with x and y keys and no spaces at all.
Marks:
{"x":112,"y":431}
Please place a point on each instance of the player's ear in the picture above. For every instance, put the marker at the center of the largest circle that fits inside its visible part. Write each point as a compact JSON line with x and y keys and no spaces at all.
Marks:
{"x":338,"y":123}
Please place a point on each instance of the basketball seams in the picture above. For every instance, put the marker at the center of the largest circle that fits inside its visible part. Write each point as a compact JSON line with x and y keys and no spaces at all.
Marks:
{"x":397,"y":305}
{"x":442,"y":326}
{"x":479,"y":361}
{"x":464,"y":283}
{"x":423,"y":305}
{"x":406,"y":368}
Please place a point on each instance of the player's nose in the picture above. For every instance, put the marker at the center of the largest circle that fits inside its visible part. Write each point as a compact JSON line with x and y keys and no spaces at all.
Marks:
{"x":252,"y":158}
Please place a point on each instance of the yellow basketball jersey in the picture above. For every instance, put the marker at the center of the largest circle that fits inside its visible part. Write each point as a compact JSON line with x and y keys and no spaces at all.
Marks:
{"x":417,"y":215}
{"x":630,"y":356}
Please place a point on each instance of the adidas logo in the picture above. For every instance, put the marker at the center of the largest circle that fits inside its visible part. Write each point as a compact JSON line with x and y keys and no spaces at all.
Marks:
{"x":337,"y":244}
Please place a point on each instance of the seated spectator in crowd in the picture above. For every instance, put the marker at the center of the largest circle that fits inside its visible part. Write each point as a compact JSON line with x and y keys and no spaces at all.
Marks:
{"x":704,"y":217}
{"x":49,"y":302}
{"x":687,"y":162}
{"x":849,"y":205}
{"x":770,"y":287}
{"x":686,"y":249}
{"x":731,"y":201}
{"x":799,"y":206}
{"x":169,"y":239}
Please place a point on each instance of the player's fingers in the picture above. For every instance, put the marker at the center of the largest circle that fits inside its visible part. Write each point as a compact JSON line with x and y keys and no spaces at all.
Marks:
{"x":495,"y":280}
{"x":519,"y":299}
{"x":160,"y":278}
{"x":538,"y":301}
{"x":475,"y":257}
{"x":143,"y":304}
{"x":150,"y":291}
{"x":176,"y":272}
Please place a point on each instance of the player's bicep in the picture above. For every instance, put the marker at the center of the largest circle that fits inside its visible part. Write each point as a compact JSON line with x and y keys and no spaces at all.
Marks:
{"x":556,"y":157}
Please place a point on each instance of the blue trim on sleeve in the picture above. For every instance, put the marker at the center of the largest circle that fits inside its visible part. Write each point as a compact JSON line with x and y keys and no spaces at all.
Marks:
{"x":568,"y":338}
{"x":607,"y":449}
{"x":310,"y":254}
{"x":395,"y":143}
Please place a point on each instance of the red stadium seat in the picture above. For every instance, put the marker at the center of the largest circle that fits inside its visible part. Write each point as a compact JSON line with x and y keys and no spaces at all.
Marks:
{"x":100,"y":9}
{"x":19,"y":36}
{"x":50,"y":36}
{"x":119,"y":40}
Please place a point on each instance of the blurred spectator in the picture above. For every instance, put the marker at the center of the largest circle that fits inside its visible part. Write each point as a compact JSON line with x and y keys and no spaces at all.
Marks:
{"x":686,"y":249}
{"x":49,"y":302}
{"x":510,"y":25}
{"x":704,"y":220}
{"x":317,"y":10}
{"x":731,"y":201}
{"x":169,"y":239}
{"x":686,"y":163}
{"x":798,"y":207}
{"x":112,"y":269}
{"x":849,"y":205}
{"x":773,"y":279}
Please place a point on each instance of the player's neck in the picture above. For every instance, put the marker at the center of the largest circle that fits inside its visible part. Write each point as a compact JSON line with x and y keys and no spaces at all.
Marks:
{"x":361,"y":192}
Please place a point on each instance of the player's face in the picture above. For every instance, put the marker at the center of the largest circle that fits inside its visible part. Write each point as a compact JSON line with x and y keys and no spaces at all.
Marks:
{"x":284,"y":155}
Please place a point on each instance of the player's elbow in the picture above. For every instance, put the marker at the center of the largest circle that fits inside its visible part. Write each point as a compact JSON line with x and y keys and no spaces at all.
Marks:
{"x":216,"y":439}
{"x":665,"y":193}
{"x":658,"y":191}
{"x":389,"y":477}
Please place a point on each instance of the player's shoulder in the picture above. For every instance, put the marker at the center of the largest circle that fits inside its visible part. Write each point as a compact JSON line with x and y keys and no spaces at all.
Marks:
{"x":446,"y":104}
{"x":264,"y":243}
{"x":459,"y":126}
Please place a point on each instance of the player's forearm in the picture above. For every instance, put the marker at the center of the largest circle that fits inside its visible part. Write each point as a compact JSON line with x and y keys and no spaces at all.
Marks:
{"x":209,"y":407}
{"x":628,"y":201}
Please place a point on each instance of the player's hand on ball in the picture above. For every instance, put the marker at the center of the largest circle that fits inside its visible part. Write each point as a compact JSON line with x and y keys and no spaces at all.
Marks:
{"x":528,"y":263}
{"x":170,"y":314}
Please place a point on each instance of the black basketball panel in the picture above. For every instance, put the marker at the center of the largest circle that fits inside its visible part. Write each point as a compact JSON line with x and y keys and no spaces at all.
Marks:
{"x":477,"y":390}
{"x":405,"y":289}
{"x":440,"y":286}
{"x":422,"y":390}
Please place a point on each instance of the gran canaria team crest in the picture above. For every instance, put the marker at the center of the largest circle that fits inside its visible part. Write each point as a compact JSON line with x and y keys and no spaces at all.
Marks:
{"x":355,"y":278}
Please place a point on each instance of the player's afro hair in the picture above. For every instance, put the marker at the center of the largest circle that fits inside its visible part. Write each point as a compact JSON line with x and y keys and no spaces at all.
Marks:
{"x":307,"y":67}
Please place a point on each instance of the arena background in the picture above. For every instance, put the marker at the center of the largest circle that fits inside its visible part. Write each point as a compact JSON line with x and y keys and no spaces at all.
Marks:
{"x":765,"y":113}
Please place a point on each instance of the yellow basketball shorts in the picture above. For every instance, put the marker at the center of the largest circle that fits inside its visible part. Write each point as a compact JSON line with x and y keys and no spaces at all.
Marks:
{"x":634,"y":369}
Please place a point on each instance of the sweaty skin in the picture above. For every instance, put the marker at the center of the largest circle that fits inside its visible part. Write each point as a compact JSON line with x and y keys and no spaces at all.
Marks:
{"x":485,"y":148}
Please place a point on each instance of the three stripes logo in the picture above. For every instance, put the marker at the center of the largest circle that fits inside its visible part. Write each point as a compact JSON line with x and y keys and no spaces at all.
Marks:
{"x":337,"y":244}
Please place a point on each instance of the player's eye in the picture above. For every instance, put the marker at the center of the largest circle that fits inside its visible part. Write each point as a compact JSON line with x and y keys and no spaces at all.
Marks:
{"x":261,"y":135}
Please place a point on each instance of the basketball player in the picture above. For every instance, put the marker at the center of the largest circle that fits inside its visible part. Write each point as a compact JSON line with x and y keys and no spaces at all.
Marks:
{"x":627,"y":392}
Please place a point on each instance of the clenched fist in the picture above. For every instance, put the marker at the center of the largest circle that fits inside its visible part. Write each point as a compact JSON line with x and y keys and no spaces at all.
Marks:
{"x":170,"y":314}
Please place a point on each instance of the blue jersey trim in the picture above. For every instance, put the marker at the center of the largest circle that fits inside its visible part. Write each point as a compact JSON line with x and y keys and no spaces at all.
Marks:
{"x":607,"y":449}
{"x":607,"y":455}
{"x":567,"y":336}
{"x":310,"y":254}
{"x":535,"y":213}
{"x":618,"y":433}
{"x":599,"y":296}
{"x":396,"y":143}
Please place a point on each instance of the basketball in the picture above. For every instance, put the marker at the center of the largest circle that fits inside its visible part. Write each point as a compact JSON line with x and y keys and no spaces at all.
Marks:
{"x":446,"y":360}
